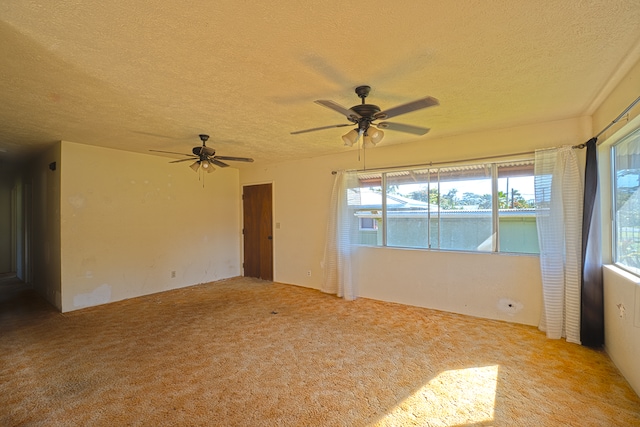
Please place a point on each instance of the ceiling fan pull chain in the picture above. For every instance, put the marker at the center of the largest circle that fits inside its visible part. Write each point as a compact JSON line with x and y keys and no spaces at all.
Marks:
{"x":364,"y":156}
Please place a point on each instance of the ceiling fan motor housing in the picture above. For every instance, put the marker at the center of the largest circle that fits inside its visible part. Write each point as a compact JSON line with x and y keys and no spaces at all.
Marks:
{"x":367,"y":111}
{"x":204,"y":150}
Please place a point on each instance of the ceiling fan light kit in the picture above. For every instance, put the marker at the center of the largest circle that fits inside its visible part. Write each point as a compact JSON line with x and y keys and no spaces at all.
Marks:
{"x":364,"y":115}
{"x":374,"y":135}
{"x":351,"y":137}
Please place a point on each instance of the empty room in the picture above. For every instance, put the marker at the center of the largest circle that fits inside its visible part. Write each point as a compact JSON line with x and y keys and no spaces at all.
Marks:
{"x":320,"y":213}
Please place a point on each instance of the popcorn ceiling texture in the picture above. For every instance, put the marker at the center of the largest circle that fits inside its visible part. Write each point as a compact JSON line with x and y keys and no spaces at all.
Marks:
{"x":136,"y":76}
{"x":243,"y":352}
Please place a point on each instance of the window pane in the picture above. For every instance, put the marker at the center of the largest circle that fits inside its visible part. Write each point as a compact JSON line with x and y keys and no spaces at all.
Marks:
{"x":408,"y":201}
{"x":369,"y":212}
{"x":465,"y":216}
{"x":516,"y":208}
{"x":627,"y":201}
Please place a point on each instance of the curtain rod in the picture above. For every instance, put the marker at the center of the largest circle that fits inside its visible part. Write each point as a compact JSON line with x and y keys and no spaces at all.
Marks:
{"x":442,"y":163}
{"x":617,"y":119}
{"x":579,"y":146}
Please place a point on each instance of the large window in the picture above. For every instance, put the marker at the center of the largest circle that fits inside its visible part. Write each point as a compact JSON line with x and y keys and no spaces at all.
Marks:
{"x":626,"y":173}
{"x":485,"y":207}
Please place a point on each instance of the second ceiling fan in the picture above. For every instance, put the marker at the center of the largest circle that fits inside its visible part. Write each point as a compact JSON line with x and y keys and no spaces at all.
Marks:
{"x":204,"y":156}
{"x":364,"y":115}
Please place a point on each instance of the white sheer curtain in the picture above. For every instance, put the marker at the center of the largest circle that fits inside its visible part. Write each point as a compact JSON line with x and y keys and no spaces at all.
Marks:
{"x":559,"y":191}
{"x":341,"y":227}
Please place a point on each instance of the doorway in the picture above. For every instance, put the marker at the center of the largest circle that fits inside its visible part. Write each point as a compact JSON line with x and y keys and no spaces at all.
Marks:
{"x":257,"y":207}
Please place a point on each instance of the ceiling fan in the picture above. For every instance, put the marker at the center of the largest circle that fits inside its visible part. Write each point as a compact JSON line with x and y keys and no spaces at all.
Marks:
{"x":364,"y":115}
{"x":205,"y":156}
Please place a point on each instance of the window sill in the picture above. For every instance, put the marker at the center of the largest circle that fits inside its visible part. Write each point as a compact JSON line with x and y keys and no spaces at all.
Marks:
{"x":452,"y":251}
{"x":628,"y":275}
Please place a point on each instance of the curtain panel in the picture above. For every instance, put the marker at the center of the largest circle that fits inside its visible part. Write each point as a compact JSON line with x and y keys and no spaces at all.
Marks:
{"x":592,"y":313}
{"x":342,"y":226}
{"x":558,"y":197}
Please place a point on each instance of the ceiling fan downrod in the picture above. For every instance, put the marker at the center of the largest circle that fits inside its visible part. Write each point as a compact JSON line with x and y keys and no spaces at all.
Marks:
{"x":368,"y":112}
{"x":363,"y":92}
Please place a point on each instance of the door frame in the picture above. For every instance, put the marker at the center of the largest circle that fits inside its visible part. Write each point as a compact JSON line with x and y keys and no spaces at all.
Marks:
{"x":274,"y":241}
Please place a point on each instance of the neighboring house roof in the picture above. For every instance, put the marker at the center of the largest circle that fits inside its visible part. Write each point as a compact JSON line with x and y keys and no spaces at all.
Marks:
{"x":369,"y":199}
{"x":457,"y":213}
{"x":370,"y":206}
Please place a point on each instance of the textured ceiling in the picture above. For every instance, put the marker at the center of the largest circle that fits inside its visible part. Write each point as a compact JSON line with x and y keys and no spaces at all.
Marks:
{"x":139,"y":75}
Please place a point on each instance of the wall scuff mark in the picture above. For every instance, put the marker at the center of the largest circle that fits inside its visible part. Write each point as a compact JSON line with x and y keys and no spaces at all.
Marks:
{"x":100,"y":295}
{"x":77,"y":201}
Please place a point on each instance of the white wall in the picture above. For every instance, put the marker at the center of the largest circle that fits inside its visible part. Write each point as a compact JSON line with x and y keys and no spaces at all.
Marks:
{"x":301,"y":194}
{"x":622,"y":322}
{"x":128,"y":220}
{"x":502,"y":287}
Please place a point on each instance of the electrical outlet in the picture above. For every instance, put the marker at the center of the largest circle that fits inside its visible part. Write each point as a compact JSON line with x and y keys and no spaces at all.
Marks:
{"x":309,"y":273}
{"x":173,"y":274}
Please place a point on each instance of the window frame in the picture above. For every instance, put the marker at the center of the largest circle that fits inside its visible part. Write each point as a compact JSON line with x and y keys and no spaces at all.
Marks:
{"x":378,"y":178}
{"x":374,"y":224}
{"x":632,"y":134}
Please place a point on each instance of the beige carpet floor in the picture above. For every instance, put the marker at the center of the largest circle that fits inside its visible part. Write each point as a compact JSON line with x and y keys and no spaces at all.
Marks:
{"x":244,"y":352}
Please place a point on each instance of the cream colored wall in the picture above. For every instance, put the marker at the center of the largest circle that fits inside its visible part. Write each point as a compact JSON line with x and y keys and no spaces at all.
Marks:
{"x":622,"y":334}
{"x":128,"y":220}
{"x":44,"y":231}
{"x":624,"y":93}
{"x":301,"y":194}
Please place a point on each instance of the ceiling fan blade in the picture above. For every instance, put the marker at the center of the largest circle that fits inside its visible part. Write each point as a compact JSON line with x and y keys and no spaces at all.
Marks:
{"x":170,"y":152}
{"x":407,"y":108}
{"x":321,"y":128}
{"x":184,"y":160}
{"x":234,"y":159}
{"x":339,"y":108}
{"x":416,"y":130}
{"x":218,"y":163}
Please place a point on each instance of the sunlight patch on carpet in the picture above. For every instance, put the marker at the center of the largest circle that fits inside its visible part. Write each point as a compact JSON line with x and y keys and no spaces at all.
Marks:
{"x":455,"y":397}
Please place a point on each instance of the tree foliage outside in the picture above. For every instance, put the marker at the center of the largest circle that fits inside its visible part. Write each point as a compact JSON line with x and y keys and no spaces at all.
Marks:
{"x":451,"y":200}
{"x":627,"y":201}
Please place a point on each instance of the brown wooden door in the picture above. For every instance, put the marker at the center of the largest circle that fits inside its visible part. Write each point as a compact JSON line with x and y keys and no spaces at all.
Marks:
{"x":258,"y":232}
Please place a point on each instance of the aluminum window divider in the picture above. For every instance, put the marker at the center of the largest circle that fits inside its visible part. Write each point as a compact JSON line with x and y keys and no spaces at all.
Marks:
{"x":429,"y":210}
{"x":384,"y":209}
{"x":495,"y":209}
{"x":439,"y":209}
